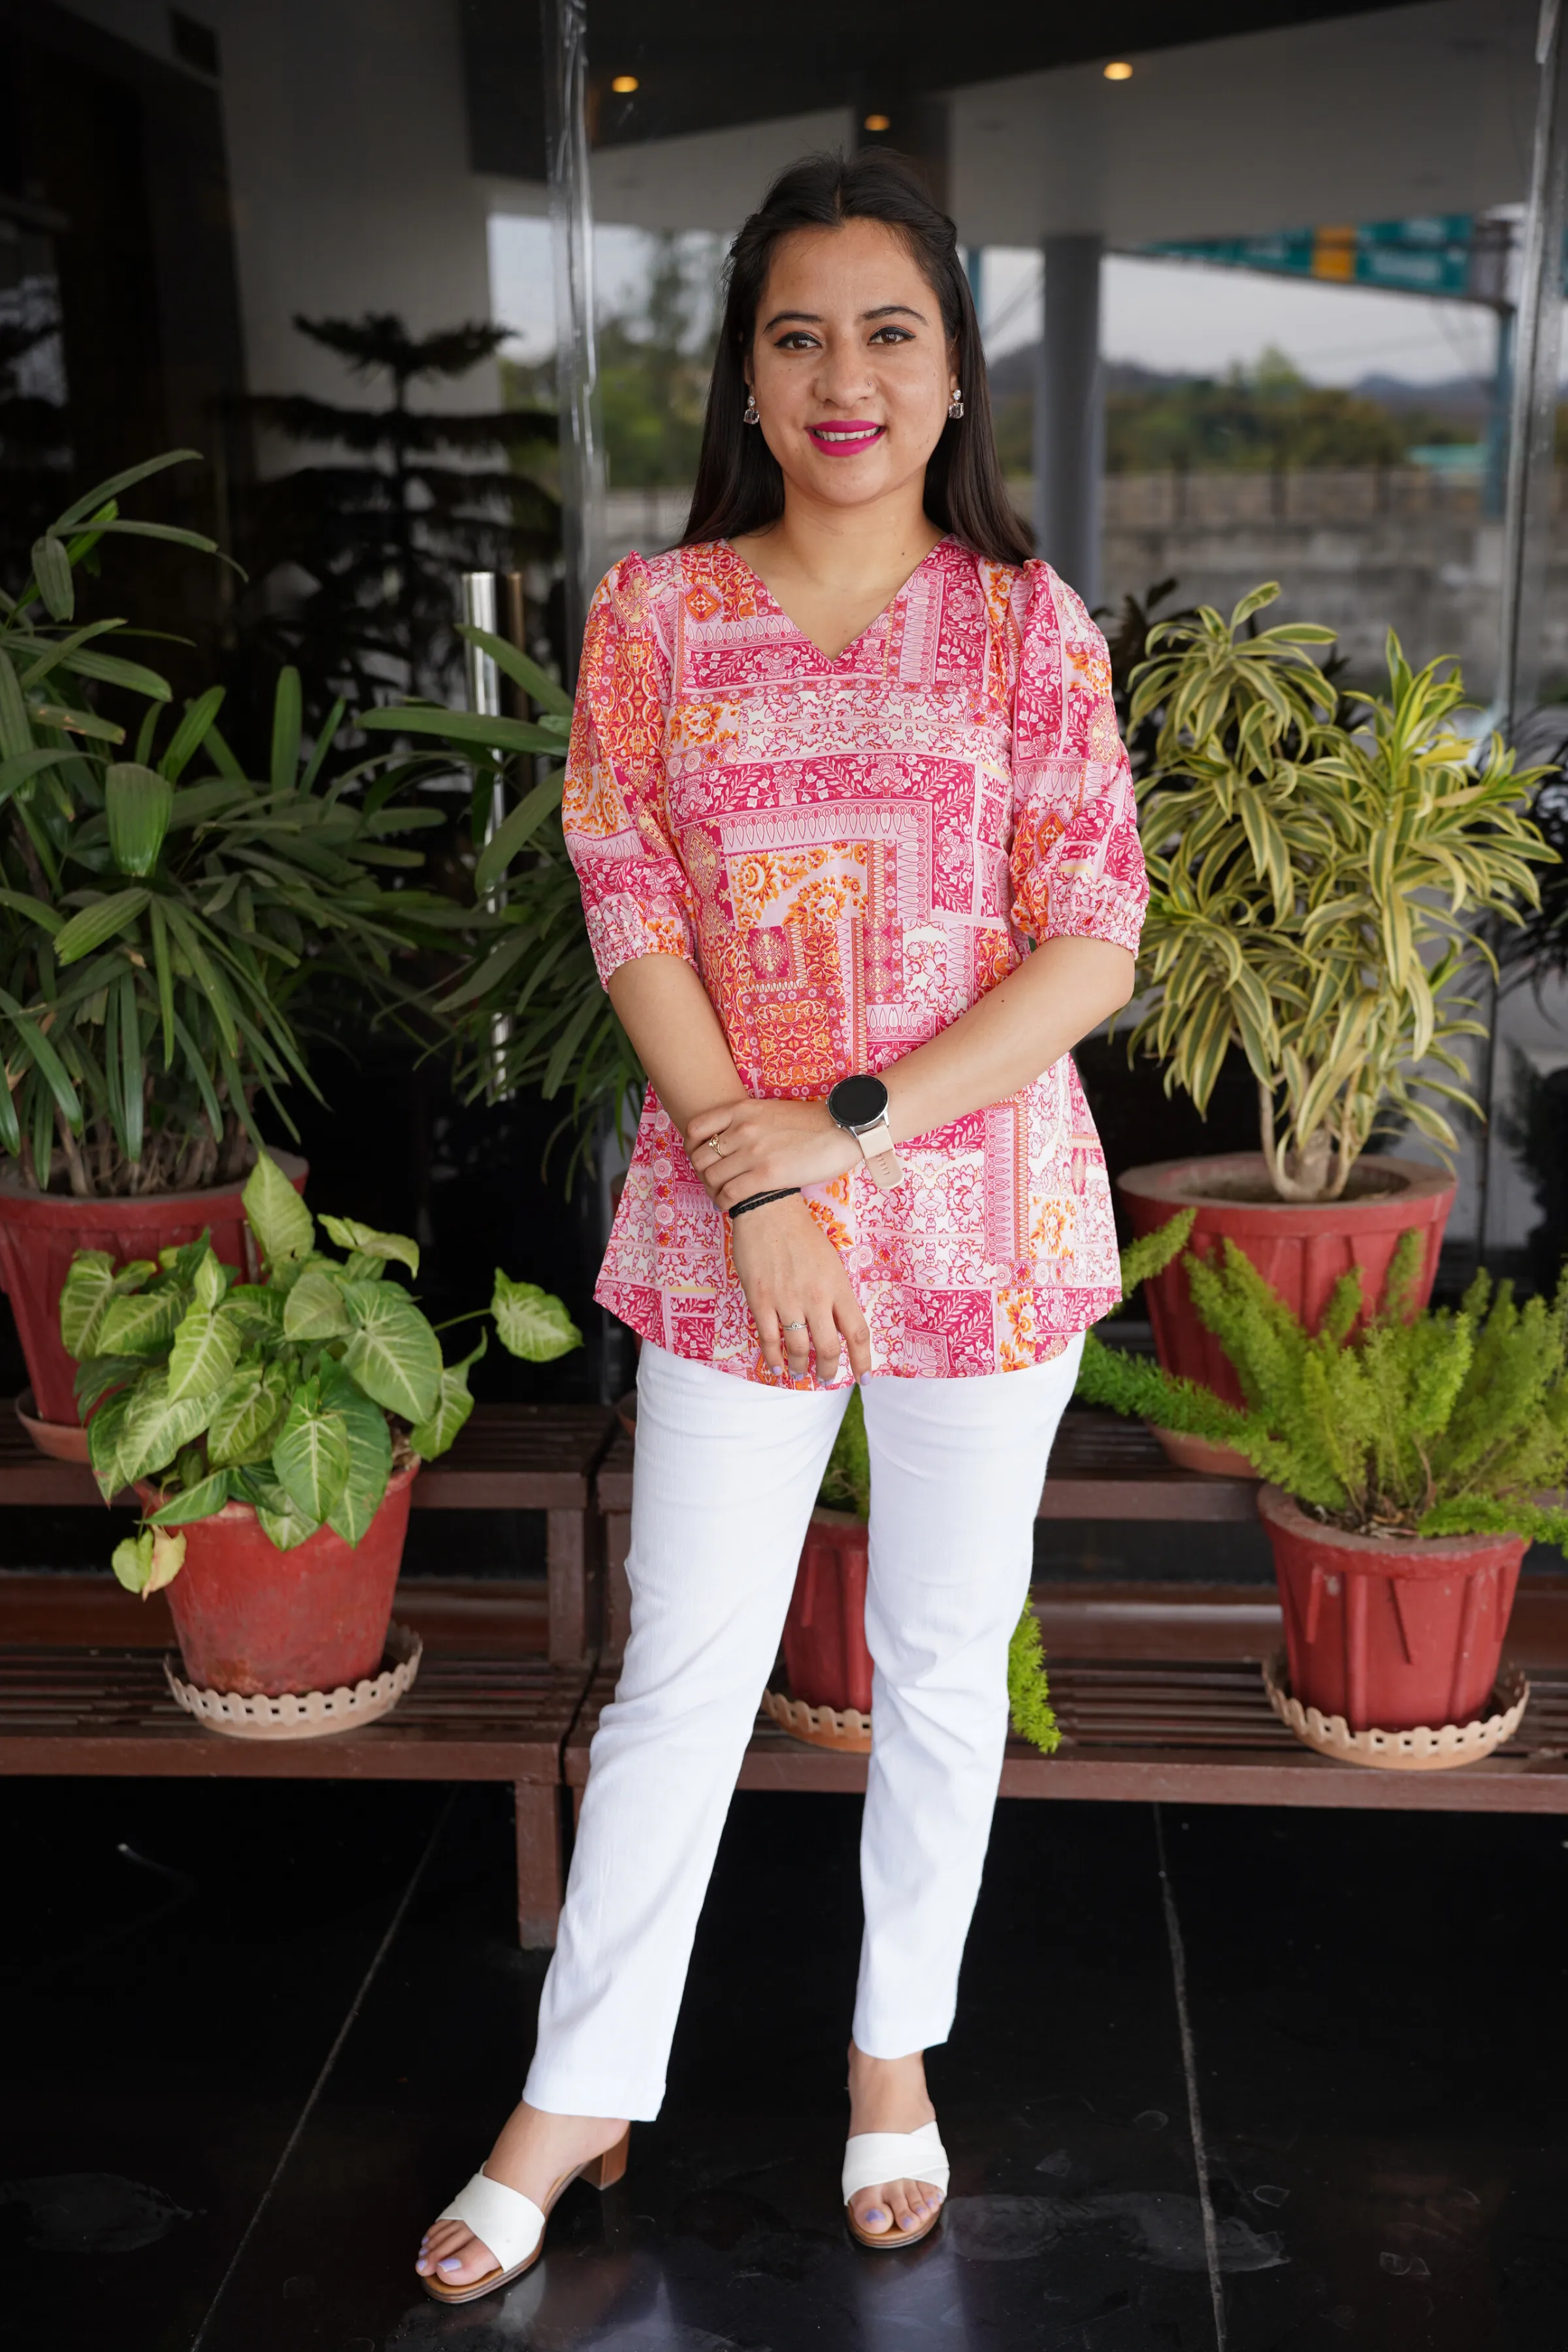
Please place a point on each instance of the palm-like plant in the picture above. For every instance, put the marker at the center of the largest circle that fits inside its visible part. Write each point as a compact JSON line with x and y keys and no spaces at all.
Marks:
{"x":160,"y":912}
{"x":527,"y":1007}
{"x":1321,"y":877}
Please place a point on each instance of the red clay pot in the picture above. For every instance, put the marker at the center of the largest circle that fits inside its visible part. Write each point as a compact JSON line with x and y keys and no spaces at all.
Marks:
{"x":40,"y":1233}
{"x":826,"y":1656}
{"x":1301,"y":1247}
{"x":1396,"y":1633}
{"x":261,"y":1622}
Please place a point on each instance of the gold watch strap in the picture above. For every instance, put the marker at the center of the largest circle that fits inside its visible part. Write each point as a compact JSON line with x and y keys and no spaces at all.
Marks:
{"x":882,"y":1162}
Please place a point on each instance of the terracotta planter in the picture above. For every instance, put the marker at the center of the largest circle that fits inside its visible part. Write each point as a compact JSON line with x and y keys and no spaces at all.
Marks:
{"x":824,"y":1649}
{"x":259,"y":1621}
{"x":1394,"y":1633}
{"x":1301,"y":1248}
{"x":40,"y":1233}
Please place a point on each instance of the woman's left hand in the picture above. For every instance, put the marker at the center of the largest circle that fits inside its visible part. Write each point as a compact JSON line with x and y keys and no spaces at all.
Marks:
{"x":761,"y":1147}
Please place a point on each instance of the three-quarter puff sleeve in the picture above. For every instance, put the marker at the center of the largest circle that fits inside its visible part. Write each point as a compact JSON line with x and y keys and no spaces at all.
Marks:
{"x":635,"y":895}
{"x":1076,"y":867}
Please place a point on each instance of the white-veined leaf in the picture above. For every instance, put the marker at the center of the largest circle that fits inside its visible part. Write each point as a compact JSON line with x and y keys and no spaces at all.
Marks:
{"x":453,"y":1406}
{"x":349,"y":1234}
{"x":248,"y":1419}
{"x":532,"y":1323}
{"x":200,"y":1501}
{"x":140,"y":1323}
{"x":278,"y":1218}
{"x":205,"y":1353}
{"x":314,"y":1308}
{"x":311,"y":1458}
{"x":370,"y":1453}
{"x":393,"y":1354}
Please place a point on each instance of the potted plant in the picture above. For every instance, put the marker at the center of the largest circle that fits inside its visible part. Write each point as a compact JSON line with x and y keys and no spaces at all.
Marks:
{"x":527,"y":1008}
{"x":828,"y":1661}
{"x":1323,"y":868}
{"x":160,"y":915}
{"x":273,"y":1429}
{"x":1410,"y":1454}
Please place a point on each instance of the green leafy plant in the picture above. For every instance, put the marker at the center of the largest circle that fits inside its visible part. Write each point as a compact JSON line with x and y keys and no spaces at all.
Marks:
{"x":527,"y":1008}
{"x":160,"y":912}
{"x":1028,"y":1688}
{"x":847,"y":1487}
{"x":1445,"y":1421}
{"x":298,"y":1394}
{"x":1319,"y":888}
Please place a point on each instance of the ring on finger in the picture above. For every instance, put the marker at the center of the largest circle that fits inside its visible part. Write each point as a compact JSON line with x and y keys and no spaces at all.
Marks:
{"x":795,"y":1326}
{"x":716,"y":1146}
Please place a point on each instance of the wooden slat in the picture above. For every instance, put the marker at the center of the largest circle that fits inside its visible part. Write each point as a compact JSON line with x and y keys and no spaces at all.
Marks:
{"x":509,"y":1457}
{"x":81,"y":1711}
{"x":1185,"y":1731}
{"x":1101,"y":1467}
{"x":492,"y":1616}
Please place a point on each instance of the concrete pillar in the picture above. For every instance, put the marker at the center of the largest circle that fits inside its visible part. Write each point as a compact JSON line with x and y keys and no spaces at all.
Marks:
{"x":1070,"y":413}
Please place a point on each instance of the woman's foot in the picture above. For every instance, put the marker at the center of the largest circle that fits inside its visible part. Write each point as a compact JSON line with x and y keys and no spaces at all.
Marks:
{"x":531,"y":2156}
{"x":888,"y":2094}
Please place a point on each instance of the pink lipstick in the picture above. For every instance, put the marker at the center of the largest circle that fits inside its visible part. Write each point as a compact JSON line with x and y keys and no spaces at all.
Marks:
{"x":844,"y":436}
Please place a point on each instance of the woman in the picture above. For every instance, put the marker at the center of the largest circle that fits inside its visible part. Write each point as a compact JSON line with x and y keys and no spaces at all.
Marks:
{"x":831,"y":757}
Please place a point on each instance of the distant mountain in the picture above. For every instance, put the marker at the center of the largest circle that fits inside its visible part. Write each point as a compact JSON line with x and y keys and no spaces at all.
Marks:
{"x":1459,"y":399}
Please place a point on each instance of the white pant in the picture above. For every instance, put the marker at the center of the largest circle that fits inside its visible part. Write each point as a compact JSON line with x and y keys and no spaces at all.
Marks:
{"x":727,"y":1474}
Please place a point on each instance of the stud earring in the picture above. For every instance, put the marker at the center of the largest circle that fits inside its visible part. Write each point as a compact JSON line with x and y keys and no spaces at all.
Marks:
{"x":955,"y":405}
{"x":748,"y":414}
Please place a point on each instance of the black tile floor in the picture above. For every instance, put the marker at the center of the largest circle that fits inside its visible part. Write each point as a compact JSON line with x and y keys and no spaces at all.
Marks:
{"x":255,"y":2035}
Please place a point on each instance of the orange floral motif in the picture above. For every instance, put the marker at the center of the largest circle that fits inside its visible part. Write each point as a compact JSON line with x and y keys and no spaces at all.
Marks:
{"x":852,"y":852}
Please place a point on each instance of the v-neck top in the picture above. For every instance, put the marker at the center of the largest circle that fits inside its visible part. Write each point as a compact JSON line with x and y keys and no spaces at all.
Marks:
{"x":851,"y":849}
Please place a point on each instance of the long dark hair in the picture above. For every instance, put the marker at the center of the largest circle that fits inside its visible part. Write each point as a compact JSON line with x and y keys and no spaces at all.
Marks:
{"x":738,"y":485}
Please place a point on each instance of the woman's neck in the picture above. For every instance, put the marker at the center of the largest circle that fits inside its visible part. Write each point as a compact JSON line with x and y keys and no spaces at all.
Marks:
{"x":832,"y":569}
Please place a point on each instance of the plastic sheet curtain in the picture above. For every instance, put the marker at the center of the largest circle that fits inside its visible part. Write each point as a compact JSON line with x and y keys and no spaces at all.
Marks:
{"x":1537,"y":363}
{"x":564,"y":25}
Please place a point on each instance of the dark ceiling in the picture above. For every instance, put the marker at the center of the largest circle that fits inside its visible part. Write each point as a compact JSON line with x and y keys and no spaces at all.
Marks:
{"x":703,"y":64}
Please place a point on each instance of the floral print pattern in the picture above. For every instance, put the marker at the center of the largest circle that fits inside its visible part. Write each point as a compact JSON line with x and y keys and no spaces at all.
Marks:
{"x":851,"y":851}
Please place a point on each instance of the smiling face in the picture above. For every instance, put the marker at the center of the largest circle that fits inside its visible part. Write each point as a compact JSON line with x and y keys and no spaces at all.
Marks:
{"x":849,"y":366}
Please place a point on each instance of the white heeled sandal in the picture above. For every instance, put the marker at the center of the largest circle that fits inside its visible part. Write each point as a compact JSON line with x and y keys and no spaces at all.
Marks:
{"x":512,"y":2225}
{"x":873,"y":2158}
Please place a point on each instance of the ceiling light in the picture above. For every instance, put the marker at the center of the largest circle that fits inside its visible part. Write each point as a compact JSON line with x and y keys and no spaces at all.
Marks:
{"x":1118,"y":70}
{"x":624,"y":84}
{"x":878,"y":122}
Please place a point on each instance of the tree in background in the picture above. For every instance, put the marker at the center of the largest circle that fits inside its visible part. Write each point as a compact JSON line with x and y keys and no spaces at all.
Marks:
{"x":1266,"y":418}
{"x":654,"y":363}
{"x":355,"y":558}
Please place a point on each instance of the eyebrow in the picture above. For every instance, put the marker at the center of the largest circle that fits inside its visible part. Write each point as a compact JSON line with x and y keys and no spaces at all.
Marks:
{"x":814,"y":318}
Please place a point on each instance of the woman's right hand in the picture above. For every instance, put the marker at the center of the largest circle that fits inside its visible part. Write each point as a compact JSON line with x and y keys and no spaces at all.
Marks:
{"x":791,"y":1274}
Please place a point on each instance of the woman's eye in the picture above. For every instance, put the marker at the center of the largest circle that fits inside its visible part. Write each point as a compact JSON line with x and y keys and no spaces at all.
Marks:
{"x":892,"y":335}
{"x":799,"y":340}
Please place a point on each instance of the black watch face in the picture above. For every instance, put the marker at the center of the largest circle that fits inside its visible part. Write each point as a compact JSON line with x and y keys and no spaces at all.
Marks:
{"x":857,"y":1102}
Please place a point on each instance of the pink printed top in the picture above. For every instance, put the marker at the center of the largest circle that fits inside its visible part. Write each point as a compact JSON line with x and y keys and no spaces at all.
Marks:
{"x":851,"y":852}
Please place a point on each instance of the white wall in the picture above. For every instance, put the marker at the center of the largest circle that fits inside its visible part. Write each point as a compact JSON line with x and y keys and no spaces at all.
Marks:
{"x":348,"y":170}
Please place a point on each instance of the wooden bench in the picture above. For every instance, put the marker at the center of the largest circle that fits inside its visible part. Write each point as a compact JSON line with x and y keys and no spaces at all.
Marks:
{"x":1158,"y":1687}
{"x":506,"y":1666}
{"x":509,"y":1457}
{"x":1101,"y":1467}
{"x":82,"y":1692}
{"x":1159,"y":1693}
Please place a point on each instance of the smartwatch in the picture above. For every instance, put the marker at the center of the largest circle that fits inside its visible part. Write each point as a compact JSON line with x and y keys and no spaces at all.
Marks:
{"x":860,"y":1106}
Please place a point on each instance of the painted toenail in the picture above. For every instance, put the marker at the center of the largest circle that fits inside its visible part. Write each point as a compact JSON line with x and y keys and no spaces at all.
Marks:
{"x":875,"y":2213}
{"x":453,"y":2263}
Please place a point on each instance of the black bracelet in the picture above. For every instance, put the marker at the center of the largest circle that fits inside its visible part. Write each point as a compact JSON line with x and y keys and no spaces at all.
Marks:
{"x":761,"y":1200}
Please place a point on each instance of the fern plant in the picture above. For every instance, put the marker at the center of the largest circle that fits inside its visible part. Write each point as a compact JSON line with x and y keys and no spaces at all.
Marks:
{"x":1445,"y":1423}
{"x":1321,"y":889}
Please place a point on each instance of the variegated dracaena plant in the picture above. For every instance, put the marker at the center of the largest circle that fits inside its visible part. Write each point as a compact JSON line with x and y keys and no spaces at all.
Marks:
{"x":1322,"y":871}
{"x":294,"y":1394}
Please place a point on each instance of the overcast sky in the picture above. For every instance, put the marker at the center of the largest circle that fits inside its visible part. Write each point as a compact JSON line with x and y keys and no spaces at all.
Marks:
{"x":1173,"y":315}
